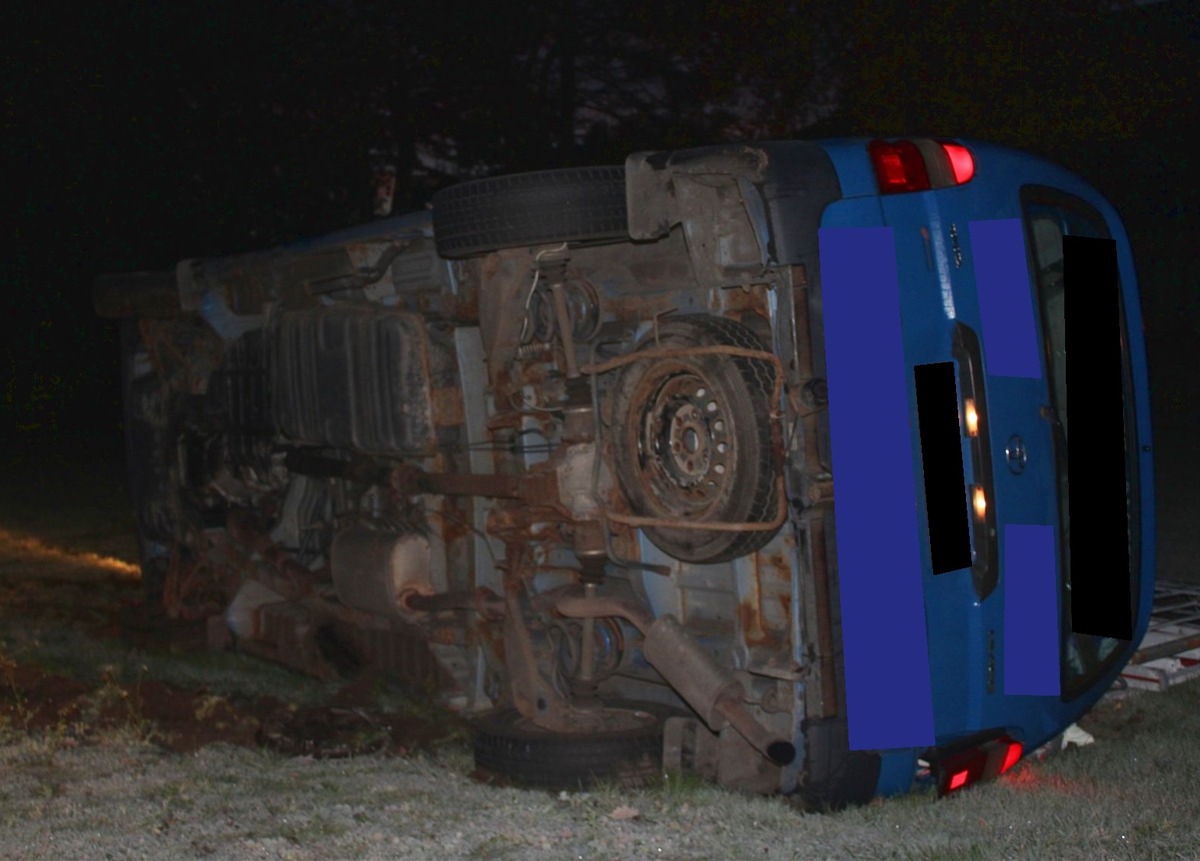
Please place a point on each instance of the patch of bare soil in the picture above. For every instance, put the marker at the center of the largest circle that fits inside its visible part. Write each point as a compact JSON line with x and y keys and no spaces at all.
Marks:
{"x":47,"y":589}
{"x":183,"y":721}
{"x":69,"y":566}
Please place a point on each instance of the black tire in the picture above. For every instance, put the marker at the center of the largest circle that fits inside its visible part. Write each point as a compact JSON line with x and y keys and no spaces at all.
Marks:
{"x":836,"y":776}
{"x":568,"y":205}
{"x":510,"y":749}
{"x":692,"y":440}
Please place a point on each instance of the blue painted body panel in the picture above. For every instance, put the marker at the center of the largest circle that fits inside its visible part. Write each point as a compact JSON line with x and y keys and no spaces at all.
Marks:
{"x":882,"y":605}
{"x":937,"y":269}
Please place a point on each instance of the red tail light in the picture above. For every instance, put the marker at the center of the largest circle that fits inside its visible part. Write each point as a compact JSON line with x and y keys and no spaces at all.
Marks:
{"x":919,"y":164}
{"x":1012,"y":757}
{"x":962,"y":163}
{"x":981,"y":760}
{"x":899,"y":166}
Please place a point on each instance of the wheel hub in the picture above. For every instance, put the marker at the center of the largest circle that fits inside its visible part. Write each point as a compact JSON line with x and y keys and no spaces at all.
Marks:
{"x":694,"y":439}
{"x":688,"y":437}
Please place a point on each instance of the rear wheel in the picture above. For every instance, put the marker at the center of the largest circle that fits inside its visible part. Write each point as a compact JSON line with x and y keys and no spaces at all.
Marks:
{"x":511,"y":748}
{"x":568,"y":205}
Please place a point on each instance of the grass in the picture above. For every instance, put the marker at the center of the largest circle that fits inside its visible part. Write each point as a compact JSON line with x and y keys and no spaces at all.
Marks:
{"x":1134,"y":794}
{"x":72,"y":652}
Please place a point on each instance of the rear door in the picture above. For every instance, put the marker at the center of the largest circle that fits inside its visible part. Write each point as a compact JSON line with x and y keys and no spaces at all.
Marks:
{"x":1079,"y":298}
{"x":946,"y":319}
{"x":1015,"y":641}
{"x":982,"y":449}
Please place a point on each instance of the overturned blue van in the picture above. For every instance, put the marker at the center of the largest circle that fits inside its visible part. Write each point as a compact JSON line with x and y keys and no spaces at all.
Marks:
{"x":748,"y":460}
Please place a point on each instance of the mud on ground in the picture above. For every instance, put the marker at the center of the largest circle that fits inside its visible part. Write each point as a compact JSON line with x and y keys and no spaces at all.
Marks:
{"x":36,"y":701}
{"x":80,"y":654}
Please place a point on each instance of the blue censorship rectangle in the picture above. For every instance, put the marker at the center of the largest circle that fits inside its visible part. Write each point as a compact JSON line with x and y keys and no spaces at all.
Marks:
{"x":888,"y":694}
{"x":1005,"y":300}
{"x":1031,"y":643}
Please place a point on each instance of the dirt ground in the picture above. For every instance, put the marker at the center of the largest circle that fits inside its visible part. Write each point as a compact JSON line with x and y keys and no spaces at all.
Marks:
{"x":67,"y":571}
{"x":182,"y":720}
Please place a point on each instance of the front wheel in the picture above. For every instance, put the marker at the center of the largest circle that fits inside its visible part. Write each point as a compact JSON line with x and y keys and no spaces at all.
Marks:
{"x":511,"y":748}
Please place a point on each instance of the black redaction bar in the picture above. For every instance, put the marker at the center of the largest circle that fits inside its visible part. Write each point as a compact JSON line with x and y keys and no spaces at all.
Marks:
{"x":1101,"y":591}
{"x":942,"y":464}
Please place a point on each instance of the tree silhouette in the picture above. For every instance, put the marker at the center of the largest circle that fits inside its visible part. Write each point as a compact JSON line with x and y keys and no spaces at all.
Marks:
{"x":144,"y":133}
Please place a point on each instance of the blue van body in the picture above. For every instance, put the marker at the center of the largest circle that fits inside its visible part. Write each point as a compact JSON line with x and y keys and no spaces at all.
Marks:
{"x":966,"y":637}
{"x":753,"y":455}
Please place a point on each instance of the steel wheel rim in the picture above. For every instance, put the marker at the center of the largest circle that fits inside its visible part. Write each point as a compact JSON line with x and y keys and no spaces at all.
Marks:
{"x":686,"y":442}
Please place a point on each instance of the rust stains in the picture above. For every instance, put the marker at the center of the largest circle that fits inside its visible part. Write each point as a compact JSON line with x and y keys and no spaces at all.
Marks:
{"x":447,"y":403}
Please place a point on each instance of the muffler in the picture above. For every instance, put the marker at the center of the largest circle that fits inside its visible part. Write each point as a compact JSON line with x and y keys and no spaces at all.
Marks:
{"x":712,"y":690}
{"x":375,"y":571}
{"x":709,"y":688}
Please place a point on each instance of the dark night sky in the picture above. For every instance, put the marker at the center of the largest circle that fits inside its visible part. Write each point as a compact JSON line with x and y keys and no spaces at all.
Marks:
{"x":140,"y":134}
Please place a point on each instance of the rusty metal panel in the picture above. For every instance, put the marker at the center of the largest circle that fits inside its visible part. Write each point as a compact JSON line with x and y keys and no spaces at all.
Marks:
{"x":404,"y":654}
{"x":354,"y":378}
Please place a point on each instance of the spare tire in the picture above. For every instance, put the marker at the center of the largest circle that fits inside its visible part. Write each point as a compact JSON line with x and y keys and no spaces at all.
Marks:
{"x":572,"y":204}
{"x":692,"y":440}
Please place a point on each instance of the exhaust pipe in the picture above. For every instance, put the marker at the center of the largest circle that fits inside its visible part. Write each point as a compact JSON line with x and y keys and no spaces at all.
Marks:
{"x":710,"y":689}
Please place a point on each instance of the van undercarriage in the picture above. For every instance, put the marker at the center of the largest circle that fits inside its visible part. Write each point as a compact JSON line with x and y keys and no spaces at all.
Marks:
{"x":560,"y":455}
